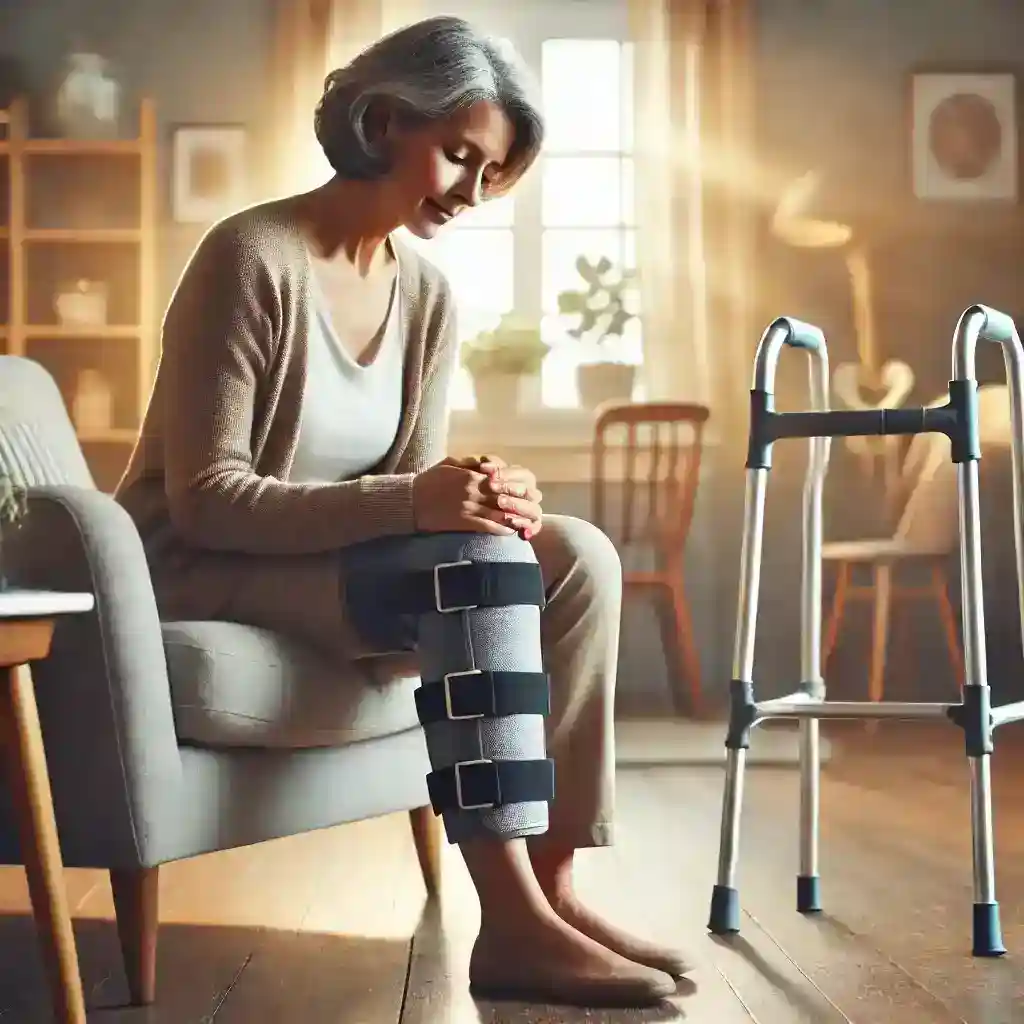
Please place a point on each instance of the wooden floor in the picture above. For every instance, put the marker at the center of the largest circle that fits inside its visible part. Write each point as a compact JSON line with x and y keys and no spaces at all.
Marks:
{"x":333,"y":927}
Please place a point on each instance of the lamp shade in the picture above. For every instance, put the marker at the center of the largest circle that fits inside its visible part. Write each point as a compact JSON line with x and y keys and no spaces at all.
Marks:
{"x":794,"y":220}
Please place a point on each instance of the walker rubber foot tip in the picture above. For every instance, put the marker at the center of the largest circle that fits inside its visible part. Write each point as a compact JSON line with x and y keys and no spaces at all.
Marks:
{"x":988,"y":936}
{"x":725,"y":911}
{"x":808,"y":894}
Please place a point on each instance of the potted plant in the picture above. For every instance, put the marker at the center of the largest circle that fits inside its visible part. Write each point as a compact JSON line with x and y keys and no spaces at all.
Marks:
{"x":500,"y":360}
{"x":13,"y":506}
{"x":602,"y":308}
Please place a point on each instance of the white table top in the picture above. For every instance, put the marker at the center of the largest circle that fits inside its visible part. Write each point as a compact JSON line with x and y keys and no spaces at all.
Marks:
{"x":42,"y":604}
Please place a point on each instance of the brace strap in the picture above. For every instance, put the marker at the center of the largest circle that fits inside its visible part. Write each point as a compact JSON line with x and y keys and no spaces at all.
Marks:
{"x":483,"y":784}
{"x":479,"y":694}
{"x":453,"y":587}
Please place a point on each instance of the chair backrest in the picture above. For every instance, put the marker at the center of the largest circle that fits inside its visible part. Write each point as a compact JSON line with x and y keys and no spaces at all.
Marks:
{"x":38,"y":446}
{"x":930,"y":517}
{"x":658,"y":445}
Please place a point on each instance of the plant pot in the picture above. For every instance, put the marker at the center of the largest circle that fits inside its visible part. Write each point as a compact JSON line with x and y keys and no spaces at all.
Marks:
{"x":598,"y":383}
{"x":498,"y":394}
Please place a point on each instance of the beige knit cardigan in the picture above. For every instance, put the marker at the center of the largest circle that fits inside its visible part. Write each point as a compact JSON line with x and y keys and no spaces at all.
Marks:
{"x":225,"y":532}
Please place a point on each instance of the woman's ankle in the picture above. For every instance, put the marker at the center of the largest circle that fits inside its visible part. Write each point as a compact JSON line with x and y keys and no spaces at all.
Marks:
{"x":511,"y":898}
{"x":552,"y":867}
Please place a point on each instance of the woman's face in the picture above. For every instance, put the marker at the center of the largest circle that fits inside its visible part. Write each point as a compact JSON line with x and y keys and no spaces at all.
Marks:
{"x":444,"y":167}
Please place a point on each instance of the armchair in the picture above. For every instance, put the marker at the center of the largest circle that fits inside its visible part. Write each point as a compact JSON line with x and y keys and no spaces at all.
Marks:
{"x":167,"y":740}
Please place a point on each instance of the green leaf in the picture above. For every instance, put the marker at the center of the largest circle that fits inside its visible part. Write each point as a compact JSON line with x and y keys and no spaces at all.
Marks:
{"x":617,"y":323}
{"x":589,"y":273}
{"x":570,"y":303}
{"x":603,"y":266}
{"x":588,"y":320}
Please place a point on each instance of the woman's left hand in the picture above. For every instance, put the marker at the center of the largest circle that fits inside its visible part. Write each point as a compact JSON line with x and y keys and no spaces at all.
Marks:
{"x":515,"y":492}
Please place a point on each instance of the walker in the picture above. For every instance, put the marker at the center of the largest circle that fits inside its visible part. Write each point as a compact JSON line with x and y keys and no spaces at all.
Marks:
{"x":974,"y":714}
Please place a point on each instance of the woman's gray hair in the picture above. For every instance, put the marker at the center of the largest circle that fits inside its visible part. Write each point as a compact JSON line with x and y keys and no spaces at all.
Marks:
{"x":426,"y":72}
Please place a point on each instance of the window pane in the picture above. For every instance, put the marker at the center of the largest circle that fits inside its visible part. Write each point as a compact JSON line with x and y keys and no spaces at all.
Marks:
{"x":560,"y":250}
{"x":479,"y":266}
{"x":628,"y":192}
{"x":558,"y":381}
{"x":582,"y":92}
{"x":588,"y":191}
{"x":494,"y":213}
{"x":628,"y":97}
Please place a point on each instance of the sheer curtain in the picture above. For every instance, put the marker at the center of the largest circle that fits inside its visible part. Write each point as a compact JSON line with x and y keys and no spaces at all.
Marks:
{"x":310,"y":38}
{"x":694,"y":165}
{"x":667,"y":36}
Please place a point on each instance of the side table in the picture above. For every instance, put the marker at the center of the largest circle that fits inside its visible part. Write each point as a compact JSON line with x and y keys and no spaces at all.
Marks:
{"x":26,"y":630}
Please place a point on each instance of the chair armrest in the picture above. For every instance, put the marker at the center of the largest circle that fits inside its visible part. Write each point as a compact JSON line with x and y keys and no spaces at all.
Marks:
{"x":103,"y":694}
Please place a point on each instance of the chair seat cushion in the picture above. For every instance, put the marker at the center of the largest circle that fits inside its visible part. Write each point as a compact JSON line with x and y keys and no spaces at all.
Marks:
{"x":883,"y":549}
{"x":239,"y":686}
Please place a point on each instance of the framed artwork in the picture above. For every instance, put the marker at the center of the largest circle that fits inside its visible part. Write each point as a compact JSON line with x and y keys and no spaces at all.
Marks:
{"x":208,"y":172}
{"x":964,"y":136}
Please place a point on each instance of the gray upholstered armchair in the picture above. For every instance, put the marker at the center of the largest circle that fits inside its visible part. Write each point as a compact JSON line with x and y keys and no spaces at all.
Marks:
{"x":166,"y":740}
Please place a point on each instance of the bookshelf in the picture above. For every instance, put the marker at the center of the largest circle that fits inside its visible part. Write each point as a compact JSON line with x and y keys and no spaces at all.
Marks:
{"x":81,"y":215}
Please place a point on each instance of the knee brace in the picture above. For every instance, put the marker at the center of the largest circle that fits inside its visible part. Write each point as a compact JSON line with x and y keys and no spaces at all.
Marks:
{"x":484,"y":694}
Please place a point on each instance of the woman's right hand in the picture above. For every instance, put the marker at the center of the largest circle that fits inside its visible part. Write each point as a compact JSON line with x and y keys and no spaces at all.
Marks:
{"x":450,"y":497}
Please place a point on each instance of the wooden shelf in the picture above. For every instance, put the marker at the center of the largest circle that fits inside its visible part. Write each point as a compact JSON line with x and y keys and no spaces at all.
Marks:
{"x":78,"y":236}
{"x":62,"y":332}
{"x":35,"y":262}
{"x":82,"y":147}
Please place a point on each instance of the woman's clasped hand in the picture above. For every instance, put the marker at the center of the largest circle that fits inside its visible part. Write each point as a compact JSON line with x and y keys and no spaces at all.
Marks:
{"x":478,"y":494}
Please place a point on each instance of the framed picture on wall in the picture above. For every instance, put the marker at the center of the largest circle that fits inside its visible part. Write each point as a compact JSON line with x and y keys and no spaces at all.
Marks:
{"x":965,"y":136}
{"x":208,"y":172}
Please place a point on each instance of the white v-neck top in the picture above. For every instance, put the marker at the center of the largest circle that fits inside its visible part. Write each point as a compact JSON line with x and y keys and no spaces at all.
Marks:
{"x":350,"y":411}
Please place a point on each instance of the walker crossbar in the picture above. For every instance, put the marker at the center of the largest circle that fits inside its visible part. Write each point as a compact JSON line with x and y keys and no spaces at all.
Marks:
{"x":958,"y":420}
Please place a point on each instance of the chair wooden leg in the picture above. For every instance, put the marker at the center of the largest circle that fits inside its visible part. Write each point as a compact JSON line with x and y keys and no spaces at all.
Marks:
{"x":681,"y":662}
{"x":136,"y":902}
{"x":880,"y":631}
{"x":687,"y":645}
{"x":428,"y":838}
{"x":835,"y":615}
{"x":949,"y":623}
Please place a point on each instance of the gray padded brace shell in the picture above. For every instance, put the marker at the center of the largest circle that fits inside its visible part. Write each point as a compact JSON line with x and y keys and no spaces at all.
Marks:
{"x":497,"y":639}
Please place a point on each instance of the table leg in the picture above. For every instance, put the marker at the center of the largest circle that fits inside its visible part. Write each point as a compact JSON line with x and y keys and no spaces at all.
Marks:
{"x":20,"y":735}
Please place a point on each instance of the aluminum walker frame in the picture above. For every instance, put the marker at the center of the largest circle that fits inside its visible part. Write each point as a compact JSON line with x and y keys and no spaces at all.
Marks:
{"x":958,"y":420}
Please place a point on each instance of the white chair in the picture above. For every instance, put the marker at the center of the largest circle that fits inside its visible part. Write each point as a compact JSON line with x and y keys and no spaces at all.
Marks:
{"x":926,"y":534}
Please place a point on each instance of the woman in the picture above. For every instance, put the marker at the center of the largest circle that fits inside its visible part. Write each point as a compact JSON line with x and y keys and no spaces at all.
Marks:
{"x":294,"y":448}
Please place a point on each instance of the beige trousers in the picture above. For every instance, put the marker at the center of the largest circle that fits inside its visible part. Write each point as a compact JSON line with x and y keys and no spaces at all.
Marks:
{"x":580,"y":640}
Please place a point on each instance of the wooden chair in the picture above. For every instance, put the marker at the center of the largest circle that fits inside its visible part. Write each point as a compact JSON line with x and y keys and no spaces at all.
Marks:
{"x":661,"y":470}
{"x":926,"y":534}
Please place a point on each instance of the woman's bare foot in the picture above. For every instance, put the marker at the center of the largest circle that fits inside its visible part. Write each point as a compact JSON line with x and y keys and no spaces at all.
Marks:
{"x":641,"y":951}
{"x":546,"y":960}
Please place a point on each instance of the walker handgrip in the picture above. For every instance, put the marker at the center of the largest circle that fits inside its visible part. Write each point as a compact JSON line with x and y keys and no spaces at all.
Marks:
{"x":787,"y":330}
{"x":800,"y":334}
{"x":998,"y":326}
{"x":982,"y":323}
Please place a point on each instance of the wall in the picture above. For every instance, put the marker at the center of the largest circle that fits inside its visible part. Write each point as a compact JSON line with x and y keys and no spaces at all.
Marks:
{"x":201,"y":61}
{"x":831,"y":95}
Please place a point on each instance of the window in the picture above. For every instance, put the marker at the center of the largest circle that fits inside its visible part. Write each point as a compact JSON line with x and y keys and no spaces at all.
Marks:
{"x":520,"y":252}
{"x":477,"y":254}
{"x":587,"y":205}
